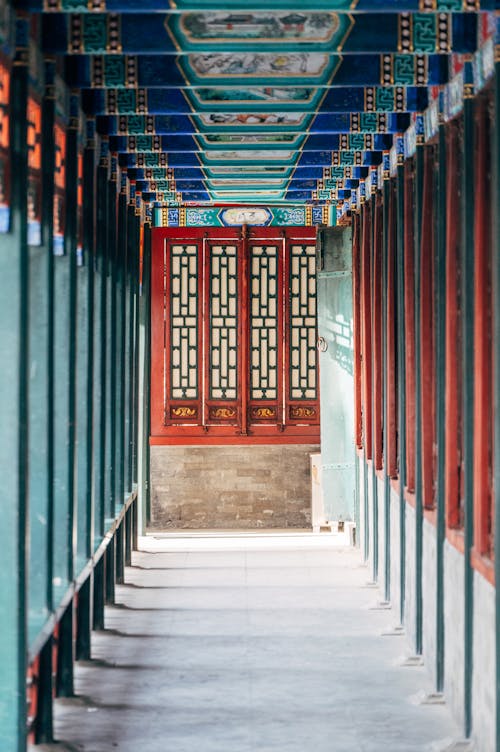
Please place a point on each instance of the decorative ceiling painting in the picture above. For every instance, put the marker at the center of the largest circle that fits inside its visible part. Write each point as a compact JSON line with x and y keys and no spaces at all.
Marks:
{"x":272,"y":29}
{"x":209,"y":103}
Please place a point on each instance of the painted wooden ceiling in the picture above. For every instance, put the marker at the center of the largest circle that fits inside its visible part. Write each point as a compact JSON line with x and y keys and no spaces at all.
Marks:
{"x":290,"y":102}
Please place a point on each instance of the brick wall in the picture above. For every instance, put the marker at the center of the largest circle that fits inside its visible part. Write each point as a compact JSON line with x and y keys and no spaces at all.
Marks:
{"x":230,"y":487}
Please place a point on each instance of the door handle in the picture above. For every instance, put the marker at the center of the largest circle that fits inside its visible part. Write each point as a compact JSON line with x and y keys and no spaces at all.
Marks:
{"x":322,"y":344}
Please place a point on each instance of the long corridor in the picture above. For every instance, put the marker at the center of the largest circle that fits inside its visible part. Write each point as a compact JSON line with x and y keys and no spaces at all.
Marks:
{"x":249,"y":643}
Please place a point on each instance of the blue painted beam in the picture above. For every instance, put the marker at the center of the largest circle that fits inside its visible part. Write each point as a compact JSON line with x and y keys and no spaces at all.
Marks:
{"x":186,"y":187}
{"x":182,"y":175}
{"x":339,"y":6}
{"x":164,"y":101}
{"x":190,"y":163}
{"x":414,"y":100}
{"x":392,"y":123}
{"x":236,"y":194}
{"x":145,"y":71}
{"x":338,"y":177}
{"x":143,"y":33}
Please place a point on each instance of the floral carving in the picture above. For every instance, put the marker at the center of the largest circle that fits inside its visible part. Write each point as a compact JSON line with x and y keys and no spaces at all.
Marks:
{"x":302,"y":412}
{"x":183,"y":412}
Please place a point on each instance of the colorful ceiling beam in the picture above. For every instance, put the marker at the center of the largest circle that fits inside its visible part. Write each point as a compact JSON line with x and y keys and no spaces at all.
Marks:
{"x":280,"y":70}
{"x":178,"y":6}
{"x":192,"y":35}
{"x":237,"y":104}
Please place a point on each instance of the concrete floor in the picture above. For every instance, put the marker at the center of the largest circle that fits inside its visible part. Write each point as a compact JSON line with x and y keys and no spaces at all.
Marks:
{"x":249,"y":643}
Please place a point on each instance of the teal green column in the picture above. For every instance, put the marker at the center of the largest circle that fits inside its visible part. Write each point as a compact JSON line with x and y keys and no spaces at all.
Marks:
{"x":110,"y":359}
{"x":40,"y":270}
{"x":64,"y":380}
{"x":13,"y":426}
{"x":127,"y":352}
{"x":419,"y":511}
{"x":135,"y":300}
{"x":132,"y":272}
{"x":85,"y":358}
{"x":99,"y":378}
{"x":145,"y":300}
{"x":401,"y":372}
{"x":121,"y":260}
{"x":75,"y":334}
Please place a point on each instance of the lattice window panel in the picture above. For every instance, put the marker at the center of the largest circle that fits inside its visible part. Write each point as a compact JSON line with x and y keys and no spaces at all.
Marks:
{"x":303,"y":322}
{"x":223,"y":333}
{"x":184,"y":321}
{"x":264,"y":322}
{"x":234,"y":335}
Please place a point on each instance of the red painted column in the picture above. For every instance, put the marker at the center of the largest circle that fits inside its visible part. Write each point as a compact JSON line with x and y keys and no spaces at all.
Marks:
{"x":483,"y":394}
{"x":356,"y":297}
{"x":409,"y":296}
{"x":243,"y":366}
{"x":378,"y":370}
{"x":157,"y":333}
{"x":366,"y":328}
{"x":428,"y":381}
{"x":453,"y":447}
{"x":391,"y":338}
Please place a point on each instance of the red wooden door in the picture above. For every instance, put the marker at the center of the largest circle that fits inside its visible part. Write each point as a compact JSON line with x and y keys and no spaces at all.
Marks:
{"x":234,"y":336}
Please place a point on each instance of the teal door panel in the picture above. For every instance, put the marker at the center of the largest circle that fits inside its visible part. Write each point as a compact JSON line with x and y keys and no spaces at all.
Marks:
{"x":335,"y":344}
